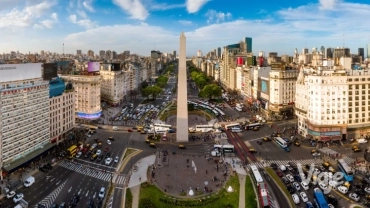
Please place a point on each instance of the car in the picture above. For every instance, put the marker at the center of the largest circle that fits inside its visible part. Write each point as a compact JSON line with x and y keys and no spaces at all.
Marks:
{"x":360,"y":192}
{"x":18,"y":197}
{"x":295,"y":198}
{"x":332,"y":200}
{"x":111,"y":138}
{"x":296,"y":186}
{"x":304,"y":185}
{"x":331,"y":206}
{"x":358,"y":185}
{"x":309,"y":204}
{"x":108,"y":161}
{"x":297,"y":143}
{"x":289,"y":188}
{"x":367,"y":190}
{"x":297,"y":178}
{"x":74,"y":201}
{"x":106,"y":149}
{"x":342,"y":189}
{"x":171,"y":131}
{"x":98,"y":152}
{"x":279,"y":173}
{"x":357,"y":150}
{"x":54,"y":205}
{"x":323,"y":186}
{"x":285,"y":180}
{"x":109,"y":142}
{"x":282,"y":168}
{"x":251,"y":150}
{"x":116,"y":159}
{"x":289,"y":167}
{"x":62,"y":205}
{"x":303,"y":196}
{"x":274,"y":166}
{"x":78,"y":154}
{"x":362,"y":141}
{"x":10,"y":194}
{"x":266,"y":139}
{"x":289,"y":177}
{"x":129,"y":130}
{"x":354,"y":196}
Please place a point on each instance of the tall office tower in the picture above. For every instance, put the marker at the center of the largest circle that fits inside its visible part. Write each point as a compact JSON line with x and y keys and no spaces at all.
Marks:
{"x":340,"y":52}
{"x":102,"y":54}
{"x":248,"y":43}
{"x":329,"y":53}
{"x":199,"y":53}
{"x":368,"y":50}
{"x":182,"y":95}
{"x":108,"y":55}
{"x":219,"y":52}
{"x":361,"y":52}
{"x":322,"y":50}
{"x":90,"y":53}
{"x":305,"y":51}
{"x":127,"y":53}
{"x":114,"y":54}
{"x":79,"y":52}
{"x":174,"y":54}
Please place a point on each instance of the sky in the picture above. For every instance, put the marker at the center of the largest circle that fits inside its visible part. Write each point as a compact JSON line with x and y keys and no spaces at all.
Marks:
{"x":144,"y":25}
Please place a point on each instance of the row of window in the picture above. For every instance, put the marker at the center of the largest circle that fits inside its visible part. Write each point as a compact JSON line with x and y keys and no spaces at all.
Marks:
{"x":15,"y":151}
{"x":17,"y":139}
{"x":18,"y":129}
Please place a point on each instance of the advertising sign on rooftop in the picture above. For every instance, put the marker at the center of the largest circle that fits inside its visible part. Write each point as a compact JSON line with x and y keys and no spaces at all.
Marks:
{"x":93,"y":66}
{"x":50,"y":71}
{"x":15,"y":72}
{"x":277,"y":66}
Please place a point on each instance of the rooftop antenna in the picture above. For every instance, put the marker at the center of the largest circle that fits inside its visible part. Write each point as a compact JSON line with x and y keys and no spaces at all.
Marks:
{"x":63,"y":48}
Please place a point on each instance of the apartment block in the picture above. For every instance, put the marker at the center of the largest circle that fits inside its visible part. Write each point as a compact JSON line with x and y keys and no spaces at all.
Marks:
{"x":112,"y":84}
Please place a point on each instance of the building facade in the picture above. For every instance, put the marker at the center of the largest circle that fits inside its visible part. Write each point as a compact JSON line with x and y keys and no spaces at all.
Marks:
{"x":112,"y":85}
{"x":24,"y":113}
{"x":87,"y":95}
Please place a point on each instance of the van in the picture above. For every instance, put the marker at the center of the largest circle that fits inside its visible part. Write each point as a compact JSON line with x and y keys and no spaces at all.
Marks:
{"x":102,"y":193}
{"x":282,"y":168}
{"x":30,"y":180}
{"x":236,"y":130}
{"x":115,"y":128}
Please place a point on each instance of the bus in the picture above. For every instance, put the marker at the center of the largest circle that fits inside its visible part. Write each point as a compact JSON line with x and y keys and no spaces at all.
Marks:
{"x":204,"y":128}
{"x":346,"y":170}
{"x":263,"y":195}
{"x":230,"y":126}
{"x":256,"y":175}
{"x":220,"y":111}
{"x":282,"y":143}
{"x":72,"y":151}
{"x":319,"y":199}
{"x":239,"y":109}
{"x":161,"y":127}
{"x":225,"y":148}
{"x":252,"y":126}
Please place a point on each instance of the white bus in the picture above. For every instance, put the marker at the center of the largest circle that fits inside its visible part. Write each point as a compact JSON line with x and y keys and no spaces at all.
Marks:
{"x":220,"y":111}
{"x":230,"y":126}
{"x":256,"y":175}
{"x":252,"y":126}
{"x":224,"y":148}
{"x":161,"y":127}
{"x":282,"y":143}
{"x":204,"y":128}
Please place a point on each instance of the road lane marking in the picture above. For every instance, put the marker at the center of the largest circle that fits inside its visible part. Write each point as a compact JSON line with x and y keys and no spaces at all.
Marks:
{"x":79,"y":192}
{"x":87,"y":193}
{"x":69,"y":190}
{"x":58,"y":182}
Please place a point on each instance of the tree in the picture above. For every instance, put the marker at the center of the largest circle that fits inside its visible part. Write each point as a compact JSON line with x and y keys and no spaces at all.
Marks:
{"x":210,"y":91}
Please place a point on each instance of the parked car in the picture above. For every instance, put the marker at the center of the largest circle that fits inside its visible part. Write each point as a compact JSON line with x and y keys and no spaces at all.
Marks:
{"x":303,"y":196}
{"x":354,"y":196}
{"x":295,"y":198}
{"x":10,"y":194}
{"x":18,"y":197}
{"x":116,"y":159}
{"x":296,"y":186}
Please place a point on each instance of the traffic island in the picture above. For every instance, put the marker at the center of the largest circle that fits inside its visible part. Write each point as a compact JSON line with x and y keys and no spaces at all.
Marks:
{"x":280,"y":184}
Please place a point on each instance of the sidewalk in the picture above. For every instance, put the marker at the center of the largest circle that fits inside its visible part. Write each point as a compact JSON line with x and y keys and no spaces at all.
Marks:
{"x":138,"y":177}
{"x":239,"y":169}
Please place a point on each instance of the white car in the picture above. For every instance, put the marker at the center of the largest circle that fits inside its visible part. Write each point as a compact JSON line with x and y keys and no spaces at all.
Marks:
{"x":303,"y":196}
{"x":354,"y":196}
{"x":323,"y":186}
{"x":116,"y":159}
{"x":296,"y":186}
{"x":98,"y":152}
{"x":108,"y":161}
{"x":362,"y":141}
{"x":78,"y":154}
{"x":18,"y":197}
{"x":94,"y":145}
{"x":109,"y":142}
{"x":290,"y":178}
{"x":10,"y":194}
{"x":331,"y":206}
{"x":367,"y":190}
{"x":305,"y":185}
{"x":295,"y":198}
{"x":342,"y":189}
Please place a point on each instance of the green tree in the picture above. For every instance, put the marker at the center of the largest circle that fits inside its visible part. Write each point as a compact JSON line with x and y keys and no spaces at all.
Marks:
{"x":156,"y":91}
{"x":190,"y":106}
{"x":210,"y":91}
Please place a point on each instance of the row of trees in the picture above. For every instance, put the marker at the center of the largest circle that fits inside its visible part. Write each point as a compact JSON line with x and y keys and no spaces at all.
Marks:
{"x":160,"y":83}
{"x":209,"y":89}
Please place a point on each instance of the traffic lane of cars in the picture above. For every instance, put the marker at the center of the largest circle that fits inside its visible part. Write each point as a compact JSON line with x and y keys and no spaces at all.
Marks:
{"x":84,"y":186}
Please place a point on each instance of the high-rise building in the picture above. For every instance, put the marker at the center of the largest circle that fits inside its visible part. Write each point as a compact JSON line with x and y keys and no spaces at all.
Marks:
{"x":199,"y":53}
{"x":248,"y":42}
{"x":361,"y":53}
{"x":340,"y":52}
{"x":219,"y":52}
{"x":127,"y":53}
{"x":108,"y":55}
{"x":24,"y":114}
{"x":174,"y":54}
{"x":90,"y":53}
{"x":368,"y":51}
{"x":329,"y":53}
{"x":102,"y":54}
{"x":112,"y":85}
{"x":61,"y":110}
{"x":79,"y":52}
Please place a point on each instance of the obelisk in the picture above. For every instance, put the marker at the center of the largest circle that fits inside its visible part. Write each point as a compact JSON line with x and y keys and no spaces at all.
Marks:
{"x":182,"y":130}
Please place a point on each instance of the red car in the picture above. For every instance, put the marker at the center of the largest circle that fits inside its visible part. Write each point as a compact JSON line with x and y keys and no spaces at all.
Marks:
{"x":129,"y":130}
{"x":279,"y":173}
{"x":106,"y":149}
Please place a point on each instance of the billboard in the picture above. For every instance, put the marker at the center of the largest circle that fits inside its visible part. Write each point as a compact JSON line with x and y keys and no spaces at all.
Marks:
{"x":89,"y":116}
{"x":116,"y":67}
{"x":93,"y":66}
{"x":265,"y":86}
{"x":15,"y":72}
{"x":50,"y":71}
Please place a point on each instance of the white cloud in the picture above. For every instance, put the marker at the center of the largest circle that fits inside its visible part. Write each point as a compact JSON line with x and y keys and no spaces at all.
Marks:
{"x":185,"y":22}
{"x":54,"y":16}
{"x":47,"y":23}
{"x":328,"y":4}
{"x":134,"y":8}
{"x":164,"y":6}
{"x":214,"y":16}
{"x":25,"y":17}
{"x":81,"y":13}
{"x":88,"y":5}
{"x":86,"y":23}
{"x":194,"y":6}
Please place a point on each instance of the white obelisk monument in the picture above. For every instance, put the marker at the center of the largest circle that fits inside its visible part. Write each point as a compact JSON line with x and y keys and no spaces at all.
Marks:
{"x":182,"y":131}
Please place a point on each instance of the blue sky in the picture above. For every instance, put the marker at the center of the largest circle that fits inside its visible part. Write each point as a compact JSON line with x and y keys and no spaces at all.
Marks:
{"x":144,"y":25}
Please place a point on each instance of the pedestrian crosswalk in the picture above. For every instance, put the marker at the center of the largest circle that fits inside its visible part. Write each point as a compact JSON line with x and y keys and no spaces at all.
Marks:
{"x":119,"y":179}
{"x":264,"y":164}
{"x":92,"y":172}
{"x":48,"y":201}
{"x":330,"y":152}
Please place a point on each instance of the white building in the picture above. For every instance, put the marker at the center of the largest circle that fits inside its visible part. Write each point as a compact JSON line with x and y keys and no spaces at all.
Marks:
{"x":24,"y":113}
{"x":112,"y":85}
{"x":62,"y":110}
{"x":87,"y":95}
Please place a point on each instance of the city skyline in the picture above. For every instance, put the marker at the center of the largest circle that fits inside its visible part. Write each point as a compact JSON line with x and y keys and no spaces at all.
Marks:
{"x":124,"y":25}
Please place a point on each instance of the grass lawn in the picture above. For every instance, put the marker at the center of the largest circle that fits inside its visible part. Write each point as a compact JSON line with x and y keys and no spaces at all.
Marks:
{"x":280,"y":183}
{"x":250,"y":195}
{"x":151,"y":196}
{"x":128,"y":152}
{"x":128,"y":202}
